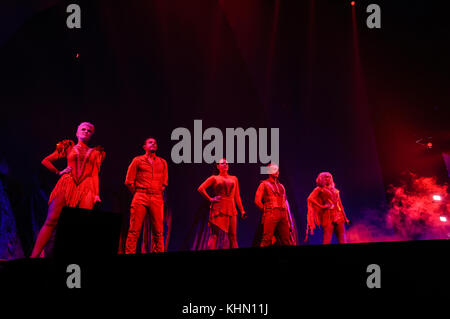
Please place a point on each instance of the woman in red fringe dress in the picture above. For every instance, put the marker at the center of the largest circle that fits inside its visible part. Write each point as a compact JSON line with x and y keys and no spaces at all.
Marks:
{"x":325,"y":209}
{"x":223,"y":214}
{"x":78,"y":184}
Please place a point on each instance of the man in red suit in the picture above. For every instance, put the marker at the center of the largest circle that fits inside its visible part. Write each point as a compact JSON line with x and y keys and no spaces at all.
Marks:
{"x":271,"y":200}
{"x":147,"y":177}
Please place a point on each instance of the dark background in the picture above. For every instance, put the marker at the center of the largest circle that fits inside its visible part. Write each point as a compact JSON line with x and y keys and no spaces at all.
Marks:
{"x":350,"y":105}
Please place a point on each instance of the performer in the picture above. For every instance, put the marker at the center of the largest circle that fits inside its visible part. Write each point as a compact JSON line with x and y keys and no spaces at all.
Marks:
{"x":270,"y":198}
{"x":223,"y":213}
{"x":147,"y":178}
{"x":325,"y":209}
{"x":78,"y":185}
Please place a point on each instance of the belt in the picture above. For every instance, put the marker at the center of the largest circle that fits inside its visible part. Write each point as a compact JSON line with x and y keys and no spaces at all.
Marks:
{"x":147,"y":191}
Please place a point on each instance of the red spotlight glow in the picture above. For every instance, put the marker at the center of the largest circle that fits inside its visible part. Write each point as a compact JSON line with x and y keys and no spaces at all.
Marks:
{"x":443,"y":219}
{"x":429,"y":145}
{"x":352,"y":3}
{"x":77,"y":56}
{"x":437,"y":197}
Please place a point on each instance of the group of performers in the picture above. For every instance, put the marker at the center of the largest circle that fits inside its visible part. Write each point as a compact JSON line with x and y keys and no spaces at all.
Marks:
{"x":147,"y":178}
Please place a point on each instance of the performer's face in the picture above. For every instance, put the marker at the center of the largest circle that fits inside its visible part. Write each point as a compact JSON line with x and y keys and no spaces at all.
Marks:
{"x":222,"y":166}
{"x":150,"y":145}
{"x":274,"y":170}
{"x":328,"y":179}
{"x":85,"y":132}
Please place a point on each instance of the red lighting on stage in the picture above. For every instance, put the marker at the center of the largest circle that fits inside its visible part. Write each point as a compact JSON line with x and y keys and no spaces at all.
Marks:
{"x":352,"y":3}
{"x":443,"y":219}
{"x":429,"y":145}
{"x":437,"y":197}
{"x":77,"y":56}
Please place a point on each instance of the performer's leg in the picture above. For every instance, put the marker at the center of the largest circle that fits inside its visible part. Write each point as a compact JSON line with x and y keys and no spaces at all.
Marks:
{"x":137,"y":214}
{"x":269,"y":223}
{"x":283,"y":229}
{"x":340,"y":233}
{"x":232,"y":232}
{"x":213,"y":236}
{"x":146,"y":236}
{"x":156,"y":220}
{"x":54,"y":210}
{"x":327,"y":233}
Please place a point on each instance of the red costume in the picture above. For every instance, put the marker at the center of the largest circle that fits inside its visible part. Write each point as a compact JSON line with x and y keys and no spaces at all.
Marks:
{"x":275,"y":215}
{"x":80,"y":187}
{"x":223,"y":213}
{"x":148,"y":179}
{"x":77,"y":187}
{"x":325,"y":209}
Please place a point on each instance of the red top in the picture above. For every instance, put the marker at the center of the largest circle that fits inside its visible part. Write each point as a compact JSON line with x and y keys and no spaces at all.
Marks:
{"x":272,"y":194}
{"x":85,"y":161}
{"x":148,"y":176}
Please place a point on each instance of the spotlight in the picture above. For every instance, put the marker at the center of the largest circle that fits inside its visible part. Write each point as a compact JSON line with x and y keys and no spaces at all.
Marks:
{"x":443,"y":219}
{"x":77,"y":55}
{"x":352,"y":3}
{"x":437,"y":197}
{"x":429,"y":145}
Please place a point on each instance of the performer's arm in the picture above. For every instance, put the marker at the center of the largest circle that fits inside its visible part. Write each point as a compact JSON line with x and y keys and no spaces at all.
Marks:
{"x":237,"y":199}
{"x":98,"y":164}
{"x":130,"y":180}
{"x":48,"y":162}
{"x":60,"y":152}
{"x":313,"y":200}
{"x":202,"y":189}
{"x":166,"y":176}
{"x":343,"y":211}
{"x":259,"y":196}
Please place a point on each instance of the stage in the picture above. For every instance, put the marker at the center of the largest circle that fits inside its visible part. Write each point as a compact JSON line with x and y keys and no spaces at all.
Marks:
{"x":286,"y":280}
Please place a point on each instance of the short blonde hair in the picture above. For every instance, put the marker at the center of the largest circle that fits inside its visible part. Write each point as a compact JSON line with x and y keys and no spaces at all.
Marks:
{"x":87,"y":123}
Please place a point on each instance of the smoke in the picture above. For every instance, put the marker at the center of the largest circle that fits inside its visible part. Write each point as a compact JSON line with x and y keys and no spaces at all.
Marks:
{"x":417,"y":207}
{"x":418,"y":210}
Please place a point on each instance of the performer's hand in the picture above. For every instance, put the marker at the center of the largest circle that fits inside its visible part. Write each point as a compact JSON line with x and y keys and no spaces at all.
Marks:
{"x":216,"y":199}
{"x":348,"y":221}
{"x":97,"y":199}
{"x":243,"y":215}
{"x":67,"y":170}
{"x":329,"y":206}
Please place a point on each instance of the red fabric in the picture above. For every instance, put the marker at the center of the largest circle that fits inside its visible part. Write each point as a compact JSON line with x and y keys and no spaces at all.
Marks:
{"x":75,"y":189}
{"x":80,"y":186}
{"x":148,"y":179}
{"x":338,"y":229}
{"x":149,"y":176}
{"x":318,"y":216}
{"x":275,"y":221}
{"x":275,"y":217}
{"x":223,"y":210}
{"x":272,"y":194}
{"x":142,"y":204}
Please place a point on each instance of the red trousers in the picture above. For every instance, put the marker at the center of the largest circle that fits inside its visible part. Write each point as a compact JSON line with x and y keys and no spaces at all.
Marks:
{"x":273,"y":221}
{"x":142,"y":204}
{"x":338,"y":228}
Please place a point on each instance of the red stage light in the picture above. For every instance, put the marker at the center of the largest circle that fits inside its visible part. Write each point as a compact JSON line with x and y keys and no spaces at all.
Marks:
{"x":429,"y":145}
{"x":443,"y":219}
{"x":352,"y":3}
{"x":437,"y":197}
{"x":77,"y":56}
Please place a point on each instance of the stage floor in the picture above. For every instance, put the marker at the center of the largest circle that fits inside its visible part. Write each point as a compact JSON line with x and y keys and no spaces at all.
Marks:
{"x":280,"y":278}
